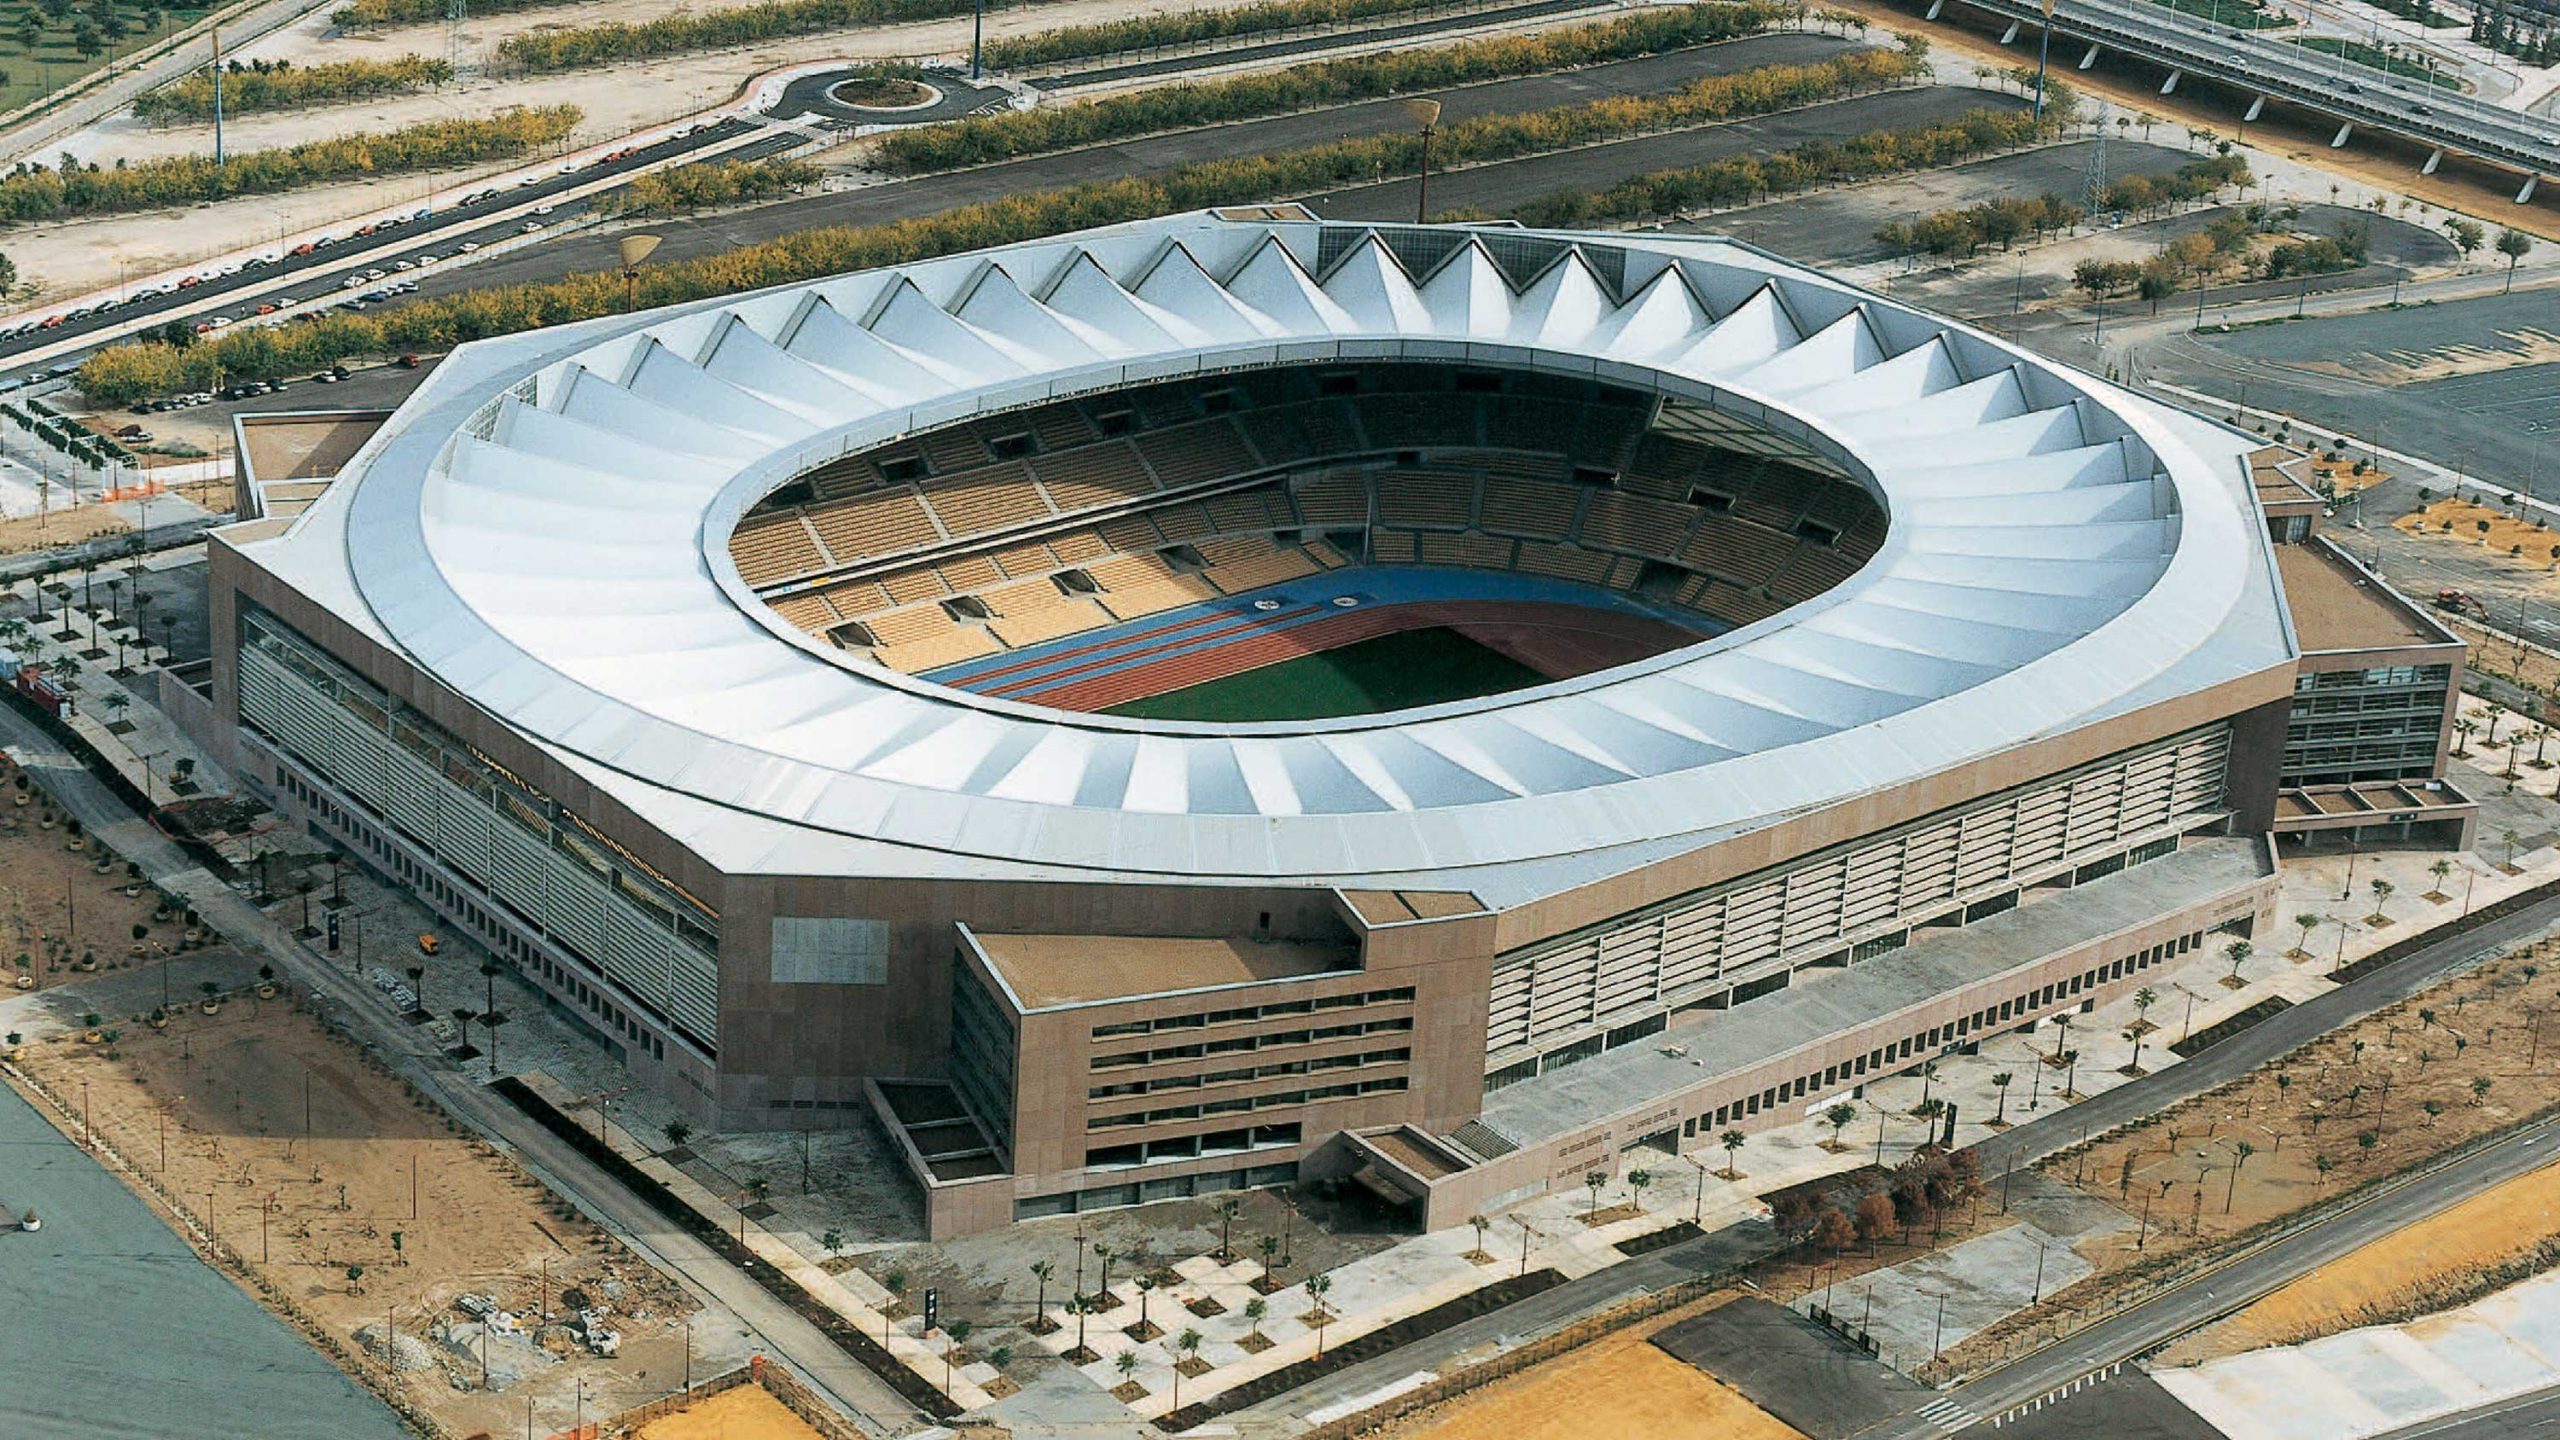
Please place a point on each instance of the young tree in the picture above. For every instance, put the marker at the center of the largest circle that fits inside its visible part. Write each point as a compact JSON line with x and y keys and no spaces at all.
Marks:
{"x":1839,"y":1117}
{"x":2000,"y":1084}
{"x":1318,"y":1286}
{"x":1638,"y":1181}
{"x":1593,"y":1180}
{"x":1127,"y":1365}
{"x":1227,"y":1212}
{"x":1733,"y":1141}
{"x":1041,"y":1271}
{"x":2239,"y":952}
{"x":1254,"y":1310}
{"x":831,"y":1240}
{"x":2515,"y":245}
{"x":1482,"y":1224}
{"x":2381,"y":892}
{"x":2134,"y":1066}
{"x":2467,"y":235}
{"x":1187,"y":1348}
{"x":2440,"y":869}
{"x":2307,"y":922}
{"x":2480,"y":1086}
{"x":677,"y":1132}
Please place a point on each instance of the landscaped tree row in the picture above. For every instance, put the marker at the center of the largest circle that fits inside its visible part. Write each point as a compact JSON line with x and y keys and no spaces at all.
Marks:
{"x":1186,"y":27}
{"x":286,"y":86}
{"x":1748,"y":179}
{"x":698,"y":187}
{"x":679,"y":34}
{"x":2000,"y":222}
{"x":985,"y":139}
{"x":129,"y":372}
{"x":36,"y":193}
{"x":365,"y":14}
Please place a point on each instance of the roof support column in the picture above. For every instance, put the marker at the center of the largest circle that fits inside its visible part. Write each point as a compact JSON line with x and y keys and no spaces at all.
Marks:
{"x":2012,"y":32}
{"x":2091,"y":58}
{"x":2525,"y":195}
{"x":2257,"y":107}
{"x":1934,"y":7}
{"x":2340,"y":143}
{"x":2171,"y":84}
{"x":2435,"y":158}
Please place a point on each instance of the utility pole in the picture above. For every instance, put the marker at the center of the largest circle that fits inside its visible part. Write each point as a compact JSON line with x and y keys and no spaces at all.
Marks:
{"x":977,"y":39}
{"x":2044,"y":47}
{"x":1426,"y":115}
{"x":217,"y":97}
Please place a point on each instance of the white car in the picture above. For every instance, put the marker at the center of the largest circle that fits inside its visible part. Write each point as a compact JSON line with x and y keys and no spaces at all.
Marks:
{"x":404,"y":264}
{"x":528,"y":227}
{"x":544,"y":209}
{"x":470,"y":245}
{"x":352,"y":282}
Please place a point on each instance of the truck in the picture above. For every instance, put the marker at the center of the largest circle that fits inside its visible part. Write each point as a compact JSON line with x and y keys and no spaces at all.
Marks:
{"x":2461,"y":602}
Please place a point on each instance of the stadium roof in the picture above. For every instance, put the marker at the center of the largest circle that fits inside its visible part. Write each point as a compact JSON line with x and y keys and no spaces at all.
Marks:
{"x":544,"y":527}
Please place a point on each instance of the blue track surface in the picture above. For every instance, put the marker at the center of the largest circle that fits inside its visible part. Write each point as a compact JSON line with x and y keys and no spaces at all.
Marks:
{"x":1153,"y":638}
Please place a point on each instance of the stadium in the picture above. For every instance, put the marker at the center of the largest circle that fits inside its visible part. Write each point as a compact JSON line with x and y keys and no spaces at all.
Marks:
{"x":1233,"y":698}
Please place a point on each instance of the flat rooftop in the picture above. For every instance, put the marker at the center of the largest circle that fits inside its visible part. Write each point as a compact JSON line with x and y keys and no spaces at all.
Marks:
{"x":1397,"y":907}
{"x":1049,"y":970}
{"x":2337,"y":606}
{"x":1823,"y":1003}
{"x":2281,"y":476}
{"x":304,"y":445}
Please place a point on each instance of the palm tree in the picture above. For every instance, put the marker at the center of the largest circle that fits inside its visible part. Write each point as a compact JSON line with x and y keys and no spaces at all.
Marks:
{"x":1732,"y":1141}
{"x":1928,"y":1077}
{"x":2465,"y":728}
{"x":1146,"y":1285}
{"x":1269,"y":1245}
{"x":677,"y":1132}
{"x":2134,"y":1066}
{"x":2070,"y":1074}
{"x":1839,"y":1117}
{"x":1127,"y":1365}
{"x":1104,"y":1254}
{"x":2000,"y":1084}
{"x":2307,"y":921}
{"x":2143,"y":1000}
{"x":1227,"y":1212}
{"x":1041,"y":1270}
{"x":2240,"y":1154}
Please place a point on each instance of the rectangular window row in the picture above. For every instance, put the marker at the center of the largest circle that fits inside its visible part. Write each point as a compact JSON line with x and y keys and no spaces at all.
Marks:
{"x":1160,"y":1025}
{"x":1236,"y":1044}
{"x":1192,"y":1147}
{"x":1346,"y":1090}
{"x":1251,"y":1072}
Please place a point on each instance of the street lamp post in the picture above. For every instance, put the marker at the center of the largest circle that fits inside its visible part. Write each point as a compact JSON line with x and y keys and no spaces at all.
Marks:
{"x":2044,"y":47}
{"x":1426,"y":115}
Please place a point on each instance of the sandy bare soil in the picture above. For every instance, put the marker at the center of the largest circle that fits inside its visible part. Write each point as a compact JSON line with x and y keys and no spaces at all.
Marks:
{"x":364,"y":1204}
{"x":1617,"y":1386}
{"x":2519,"y":543}
{"x":2361,"y":1103}
{"x":64,"y":920}
{"x":2385,"y":1280}
{"x":745,"y":1413}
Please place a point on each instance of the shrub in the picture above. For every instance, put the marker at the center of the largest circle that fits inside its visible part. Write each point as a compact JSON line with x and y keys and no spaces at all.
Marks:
{"x":36,"y":193}
{"x":696,"y":187}
{"x":984,"y":139}
{"x":283,"y":85}
{"x":1183,"y":27}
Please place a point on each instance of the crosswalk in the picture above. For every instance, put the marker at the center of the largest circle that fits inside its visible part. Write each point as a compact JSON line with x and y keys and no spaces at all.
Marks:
{"x":1947,"y":1415}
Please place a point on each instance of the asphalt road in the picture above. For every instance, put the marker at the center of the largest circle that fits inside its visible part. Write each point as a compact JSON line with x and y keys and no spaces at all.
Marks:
{"x":815,"y":95}
{"x":2239,"y":1282}
{"x":784,"y":1333}
{"x":2535,"y":1415}
{"x":1269,"y":50}
{"x":321,"y":272}
{"x":1497,"y":188}
{"x":688,"y":237}
{"x":2376,"y":375}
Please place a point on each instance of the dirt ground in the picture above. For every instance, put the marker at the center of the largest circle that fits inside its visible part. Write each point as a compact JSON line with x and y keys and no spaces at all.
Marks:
{"x":65,"y":920}
{"x":2363,"y":1102}
{"x":312,"y":1163}
{"x":1617,"y":1386}
{"x":746,"y":1413}
{"x":2498,"y":1225}
{"x":2524,"y":543}
{"x":60,"y":526}
{"x":2453,"y":187}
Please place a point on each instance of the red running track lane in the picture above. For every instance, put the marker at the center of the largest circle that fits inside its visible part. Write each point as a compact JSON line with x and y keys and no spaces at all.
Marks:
{"x":1512,"y":620}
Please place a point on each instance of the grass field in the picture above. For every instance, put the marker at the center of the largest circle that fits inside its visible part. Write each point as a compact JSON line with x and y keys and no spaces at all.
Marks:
{"x":39,"y":54}
{"x":1391,"y":672}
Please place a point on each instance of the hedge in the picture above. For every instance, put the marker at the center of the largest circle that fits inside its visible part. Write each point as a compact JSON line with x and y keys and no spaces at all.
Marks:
{"x":983,"y":139}
{"x":578,"y":47}
{"x":286,"y":86}
{"x":135,"y":371}
{"x":36,"y":193}
{"x":697,"y":187}
{"x":1186,"y":27}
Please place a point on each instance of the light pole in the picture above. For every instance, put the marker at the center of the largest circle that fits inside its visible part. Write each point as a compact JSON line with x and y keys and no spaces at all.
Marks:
{"x":1426,"y":114}
{"x":2044,"y":46}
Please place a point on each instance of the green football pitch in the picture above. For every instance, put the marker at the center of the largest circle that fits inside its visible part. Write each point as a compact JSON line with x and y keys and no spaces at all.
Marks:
{"x":1391,"y":672}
